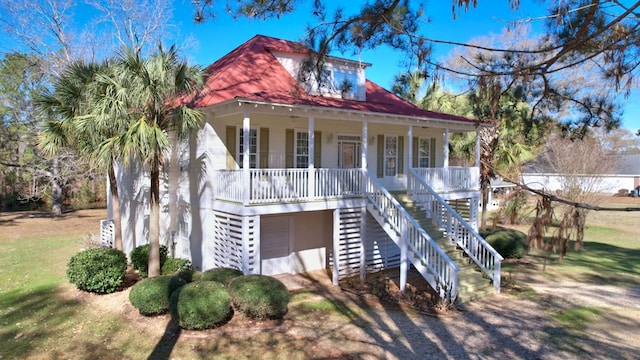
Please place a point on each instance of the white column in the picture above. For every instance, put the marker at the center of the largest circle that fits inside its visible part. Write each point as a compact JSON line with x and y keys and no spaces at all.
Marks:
{"x":410,"y":142}
{"x":246,"y":176}
{"x":404,"y":255}
{"x":446,"y":147}
{"x":364,"y":145}
{"x":312,"y":171}
{"x":363,"y":247}
{"x":336,"y":246}
{"x":478,"y":148}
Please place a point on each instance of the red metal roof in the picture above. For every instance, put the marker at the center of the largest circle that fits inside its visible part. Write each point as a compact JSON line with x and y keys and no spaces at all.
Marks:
{"x":252,"y":72}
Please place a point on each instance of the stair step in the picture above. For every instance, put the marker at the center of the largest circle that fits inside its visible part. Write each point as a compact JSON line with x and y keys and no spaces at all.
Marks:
{"x":471,"y":282}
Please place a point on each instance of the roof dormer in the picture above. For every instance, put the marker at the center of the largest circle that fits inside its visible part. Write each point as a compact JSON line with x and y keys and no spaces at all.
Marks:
{"x":340,"y":78}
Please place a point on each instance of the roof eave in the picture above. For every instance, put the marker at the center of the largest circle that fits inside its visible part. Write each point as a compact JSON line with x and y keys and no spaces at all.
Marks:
{"x":406,"y":119}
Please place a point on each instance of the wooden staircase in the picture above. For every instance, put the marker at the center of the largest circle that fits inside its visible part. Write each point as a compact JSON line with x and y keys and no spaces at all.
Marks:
{"x":472,"y":284}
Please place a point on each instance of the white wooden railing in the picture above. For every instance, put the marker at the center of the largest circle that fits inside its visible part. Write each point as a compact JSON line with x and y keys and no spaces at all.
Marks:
{"x":452,"y":178}
{"x":456,"y":228}
{"x":410,"y":237}
{"x":287,"y":185}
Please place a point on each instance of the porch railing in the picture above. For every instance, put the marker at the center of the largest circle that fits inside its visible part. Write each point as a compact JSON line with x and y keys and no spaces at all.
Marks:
{"x":452,"y":178}
{"x":456,"y":228}
{"x":410,"y":237}
{"x":287,"y":185}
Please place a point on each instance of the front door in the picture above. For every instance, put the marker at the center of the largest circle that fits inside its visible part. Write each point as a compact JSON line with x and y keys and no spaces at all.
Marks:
{"x":348,"y":151}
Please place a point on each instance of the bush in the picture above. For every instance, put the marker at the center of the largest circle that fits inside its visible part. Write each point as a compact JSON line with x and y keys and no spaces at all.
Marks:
{"x":179,"y":267}
{"x":200,"y":305}
{"x":221,"y":275}
{"x":140,"y":258}
{"x":97,"y":270}
{"x":259,"y":296}
{"x":151,"y":295}
{"x":510,"y":243}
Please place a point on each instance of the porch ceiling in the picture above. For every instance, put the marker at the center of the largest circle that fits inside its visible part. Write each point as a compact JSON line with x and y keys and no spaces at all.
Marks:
{"x":239,"y":106}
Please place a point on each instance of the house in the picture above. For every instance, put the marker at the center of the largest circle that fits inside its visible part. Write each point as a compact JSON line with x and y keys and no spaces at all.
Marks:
{"x":289,"y":176}
{"x":623,"y":177}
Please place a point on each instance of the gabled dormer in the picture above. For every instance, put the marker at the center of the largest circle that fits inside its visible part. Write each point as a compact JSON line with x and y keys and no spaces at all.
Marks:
{"x":340,"y":78}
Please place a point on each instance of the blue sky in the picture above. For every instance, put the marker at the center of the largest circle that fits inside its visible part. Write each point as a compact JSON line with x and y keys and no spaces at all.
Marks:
{"x":216,"y":37}
{"x":219,"y":36}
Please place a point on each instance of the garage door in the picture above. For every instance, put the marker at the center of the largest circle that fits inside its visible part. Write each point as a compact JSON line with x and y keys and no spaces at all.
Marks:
{"x":275,"y":243}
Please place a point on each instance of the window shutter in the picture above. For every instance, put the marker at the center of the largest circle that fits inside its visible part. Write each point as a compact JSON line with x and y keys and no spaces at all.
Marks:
{"x":432,"y":152}
{"x":288,"y":148}
{"x":414,"y":152}
{"x":380,"y":169}
{"x":264,"y":148}
{"x":400,"y":154}
{"x":231,"y":147}
{"x":317,"y":147}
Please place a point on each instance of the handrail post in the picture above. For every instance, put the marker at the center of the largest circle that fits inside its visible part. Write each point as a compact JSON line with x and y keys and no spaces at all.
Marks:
{"x":403,"y":255}
{"x":496,"y":274}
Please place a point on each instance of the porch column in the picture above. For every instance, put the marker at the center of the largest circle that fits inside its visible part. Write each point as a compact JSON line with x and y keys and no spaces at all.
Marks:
{"x":410,"y":142}
{"x":312,"y":171}
{"x":478,"y":148}
{"x":446,"y":147}
{"x":246,"y":176}
{"x":365,"y":145}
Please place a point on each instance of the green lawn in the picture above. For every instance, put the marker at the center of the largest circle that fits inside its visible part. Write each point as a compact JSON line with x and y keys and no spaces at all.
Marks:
{"x":43,"y":317}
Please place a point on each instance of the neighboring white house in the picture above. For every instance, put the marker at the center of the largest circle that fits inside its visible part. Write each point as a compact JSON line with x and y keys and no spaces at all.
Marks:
{"x":289,"y":177}
{"x":625,"y":176}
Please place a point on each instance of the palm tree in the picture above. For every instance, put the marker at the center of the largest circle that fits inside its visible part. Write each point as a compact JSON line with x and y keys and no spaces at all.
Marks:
{"x":147,"y":97}
{"x":68,"y":107}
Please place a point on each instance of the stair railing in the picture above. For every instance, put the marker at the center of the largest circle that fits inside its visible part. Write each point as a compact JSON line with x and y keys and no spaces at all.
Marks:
{"x":456,"y":228}
{"x":412,"y":236}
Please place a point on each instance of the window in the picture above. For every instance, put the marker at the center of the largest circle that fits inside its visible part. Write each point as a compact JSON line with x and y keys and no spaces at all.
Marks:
{"x":302,"y":149}
{"x":390,"y":155}
{"x":424,"y":152}
{"x":345,"y":83}
{"x":253,"y":148}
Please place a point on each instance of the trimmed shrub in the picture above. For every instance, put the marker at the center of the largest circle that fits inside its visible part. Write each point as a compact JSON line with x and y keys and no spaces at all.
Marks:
{"x":259,"y":296}
{"x":99,"y":270}
{"x":200,"y":305}
{"x":140,"y":258}
{"x":179,"y":267}
{"x":221,"y":275}
{"x":510,"y":243}
{"x":151,"y":295}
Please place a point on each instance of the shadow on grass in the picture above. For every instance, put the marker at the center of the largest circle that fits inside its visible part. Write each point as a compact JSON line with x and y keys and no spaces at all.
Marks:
{"x":597,"y":263}
{"x":30,"y":317}
{"x":167,"y":342}
{"x":15,"y":216}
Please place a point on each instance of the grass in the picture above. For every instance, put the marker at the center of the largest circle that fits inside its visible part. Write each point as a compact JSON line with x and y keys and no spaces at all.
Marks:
{"x":44,"y":317}
{"x":579,"y":318}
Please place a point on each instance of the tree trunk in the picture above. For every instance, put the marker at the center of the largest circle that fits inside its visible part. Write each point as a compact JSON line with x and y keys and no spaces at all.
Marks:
{"x":485,"y":197}
{"x":56,"y":189}
{"x":154,"y":220}
{"x":115,"y":202}
{"x":489,"y":137}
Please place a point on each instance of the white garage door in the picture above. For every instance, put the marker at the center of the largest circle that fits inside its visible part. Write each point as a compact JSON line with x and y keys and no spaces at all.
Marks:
{"x":275,"y":245}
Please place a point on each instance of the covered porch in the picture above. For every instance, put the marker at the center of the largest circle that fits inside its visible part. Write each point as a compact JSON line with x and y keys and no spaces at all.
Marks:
{"x":269,"y":186}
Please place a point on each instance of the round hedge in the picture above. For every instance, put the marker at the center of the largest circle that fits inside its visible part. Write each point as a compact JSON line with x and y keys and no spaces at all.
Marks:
{"x":259,"y":296}
{"x":221,"y":275}
{"x":140,"y":258}
{"x":151,"y":295}
{"x":510,"y":243}
{"x":99,"y":270}
{"x":200,"y":305}
{"x":179,"y":267}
